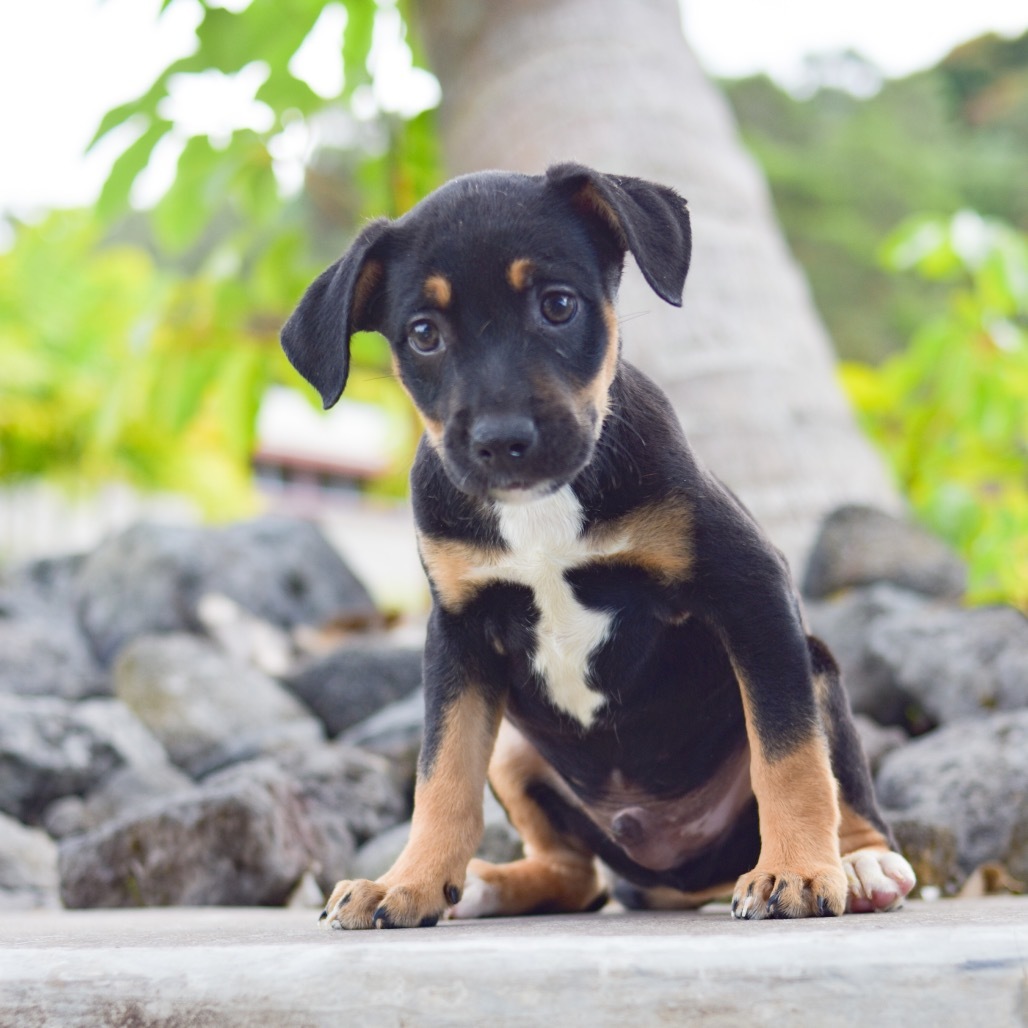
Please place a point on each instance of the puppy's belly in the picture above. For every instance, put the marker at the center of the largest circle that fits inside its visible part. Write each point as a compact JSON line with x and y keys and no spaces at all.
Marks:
{"x":659,"y":834}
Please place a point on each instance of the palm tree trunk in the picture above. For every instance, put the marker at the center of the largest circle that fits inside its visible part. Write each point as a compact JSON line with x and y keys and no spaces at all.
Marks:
{"x":746,"y":362}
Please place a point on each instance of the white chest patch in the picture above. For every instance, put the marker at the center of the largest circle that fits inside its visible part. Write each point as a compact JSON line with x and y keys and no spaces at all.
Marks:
{"x":544,"y":540}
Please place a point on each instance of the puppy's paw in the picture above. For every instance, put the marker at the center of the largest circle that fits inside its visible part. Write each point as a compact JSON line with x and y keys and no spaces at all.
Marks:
{"x":878,"y":880}
{"x":814,"y":891}
{"x":363,"y":904}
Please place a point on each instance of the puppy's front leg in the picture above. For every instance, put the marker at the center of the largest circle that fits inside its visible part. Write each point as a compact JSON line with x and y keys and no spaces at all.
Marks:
{"x":799,"y":872}
{"x":461,"y":723}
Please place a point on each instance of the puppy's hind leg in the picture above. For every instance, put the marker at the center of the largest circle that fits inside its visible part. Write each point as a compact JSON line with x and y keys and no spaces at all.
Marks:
{"x":558,"y":873}
{"x":878,"y":876}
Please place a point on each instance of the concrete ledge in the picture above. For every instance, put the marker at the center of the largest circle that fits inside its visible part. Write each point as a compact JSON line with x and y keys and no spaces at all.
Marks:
{"x":945,"y":963}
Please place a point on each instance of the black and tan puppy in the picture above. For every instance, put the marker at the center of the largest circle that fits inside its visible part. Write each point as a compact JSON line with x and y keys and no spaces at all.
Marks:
{"x":613,"y":639}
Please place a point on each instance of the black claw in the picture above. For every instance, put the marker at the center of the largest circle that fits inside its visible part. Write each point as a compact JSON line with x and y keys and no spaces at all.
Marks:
{"x":452,"y":894}
{"x":345,"y":900}
{"x":735,"y":906}
{"x":597,"y":903}
{"x":381,"y":919}
{"x":430,"y":921}
{"x":823,"y":909}
{"x":324,"y":914}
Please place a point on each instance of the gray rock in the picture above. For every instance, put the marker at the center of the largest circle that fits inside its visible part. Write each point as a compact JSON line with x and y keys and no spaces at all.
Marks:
{"x":394,"y":732}
{"x":240,"y":841}
{"x":859,"y":546}
{"x":968,"y":779}
{"x":349,"y":797}
{"x":28,"y":867}
{"x":954,"y":663}
{"x":122,"y":792}
{"x":845,"y":624}
{"x":206,"y":710}
{"x":877,"y":740}
{"x":353,"y":682}
{"x":49,"y":750}
{"x":42,"y":650}
{"x":150,"y":578}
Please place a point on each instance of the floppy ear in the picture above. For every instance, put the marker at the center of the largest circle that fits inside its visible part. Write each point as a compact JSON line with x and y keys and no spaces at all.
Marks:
{"x":339,"y":302}
{"x":650,"y":220}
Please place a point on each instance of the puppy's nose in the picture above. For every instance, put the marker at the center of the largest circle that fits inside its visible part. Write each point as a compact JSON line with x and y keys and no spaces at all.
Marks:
{"x":502,"y":440}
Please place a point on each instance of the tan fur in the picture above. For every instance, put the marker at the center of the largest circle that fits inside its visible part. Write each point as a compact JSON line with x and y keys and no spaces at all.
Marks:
{"x":662,"y":897}
{"x":659,"y":540}
{"x":593,"y":401}
{"x":798,"y":808}
{"x":856,"y":832}
{"x":438,"y":289}
{"x":519,"y":274}
{"x":449,"y":565}
{"x":367,"y":282}
{"x":558,"y":873}
{"x":589,"y":200}
{"x":445,"y":830}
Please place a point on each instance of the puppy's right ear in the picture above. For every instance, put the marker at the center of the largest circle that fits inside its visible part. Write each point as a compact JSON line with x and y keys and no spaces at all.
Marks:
{"x":339,"y":302}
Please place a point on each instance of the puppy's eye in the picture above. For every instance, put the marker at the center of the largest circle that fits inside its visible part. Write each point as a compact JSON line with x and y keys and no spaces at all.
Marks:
{"x":558,"y":306}
{"x":424,"y":336}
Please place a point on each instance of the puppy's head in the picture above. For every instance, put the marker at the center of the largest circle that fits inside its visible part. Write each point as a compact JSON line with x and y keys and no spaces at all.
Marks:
{"x":496,"y":294}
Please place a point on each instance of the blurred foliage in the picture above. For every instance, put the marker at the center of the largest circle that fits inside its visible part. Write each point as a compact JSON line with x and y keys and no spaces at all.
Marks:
{"x":951,"y":410}
{"x":846,"y":167}
{"x":137,"y":344}
{"x":110,"y":369}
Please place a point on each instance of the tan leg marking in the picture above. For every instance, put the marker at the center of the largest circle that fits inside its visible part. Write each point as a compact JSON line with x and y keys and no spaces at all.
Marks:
{"x":557,"y":875}
{"x":799,"y":872}
{"x":428,"y":876}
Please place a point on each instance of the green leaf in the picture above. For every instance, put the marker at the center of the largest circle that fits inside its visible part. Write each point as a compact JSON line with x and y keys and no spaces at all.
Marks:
{"x":114,"y":196}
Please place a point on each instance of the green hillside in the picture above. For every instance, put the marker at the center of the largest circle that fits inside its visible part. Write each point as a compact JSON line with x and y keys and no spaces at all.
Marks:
{"x":845,"y":171}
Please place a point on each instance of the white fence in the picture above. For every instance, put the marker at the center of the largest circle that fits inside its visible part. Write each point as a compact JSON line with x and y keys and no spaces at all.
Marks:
{"x":40,"y":520}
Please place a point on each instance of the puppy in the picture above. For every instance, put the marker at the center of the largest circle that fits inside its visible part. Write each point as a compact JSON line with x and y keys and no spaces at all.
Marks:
{"x":613,"y":639}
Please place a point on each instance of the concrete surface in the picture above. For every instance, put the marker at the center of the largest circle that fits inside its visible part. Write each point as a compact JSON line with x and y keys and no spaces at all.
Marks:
{"x":944,"y":963}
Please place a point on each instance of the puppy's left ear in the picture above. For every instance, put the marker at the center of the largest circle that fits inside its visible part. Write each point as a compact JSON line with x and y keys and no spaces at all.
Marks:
{"x":339,"y":302}
{"x":650,"y":220}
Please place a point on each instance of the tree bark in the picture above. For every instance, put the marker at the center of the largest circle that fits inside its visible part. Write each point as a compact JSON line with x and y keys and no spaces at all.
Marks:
{"x":747,"y":361}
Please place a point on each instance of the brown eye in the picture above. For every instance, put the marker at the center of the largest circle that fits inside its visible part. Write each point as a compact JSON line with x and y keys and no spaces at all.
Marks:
{"x":424,"y":336}
{"x":558,"y":306}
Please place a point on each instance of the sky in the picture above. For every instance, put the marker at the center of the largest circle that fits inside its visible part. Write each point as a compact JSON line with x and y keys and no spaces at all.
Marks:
{"x":63,"y":63}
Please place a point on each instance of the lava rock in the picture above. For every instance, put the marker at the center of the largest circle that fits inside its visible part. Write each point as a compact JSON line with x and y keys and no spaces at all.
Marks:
{"x":354,"y":681}
{"x":42,"y":650}
{"x":48,"y":749}
{"x":242,"y":841}
{"x":968,"y":779}
{"x":205,"y":709}
{"x":860,"y":546}
{"x":954,"y":663}
{"x":150,"y":579}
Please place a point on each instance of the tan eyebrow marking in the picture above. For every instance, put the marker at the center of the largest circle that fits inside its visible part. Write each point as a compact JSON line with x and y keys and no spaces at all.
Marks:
{"x":438,"y":289}
{"x":520,"y":272}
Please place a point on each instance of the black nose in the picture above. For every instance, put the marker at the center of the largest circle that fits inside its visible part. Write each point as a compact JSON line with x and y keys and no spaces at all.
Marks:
{"x":500,"y":441}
